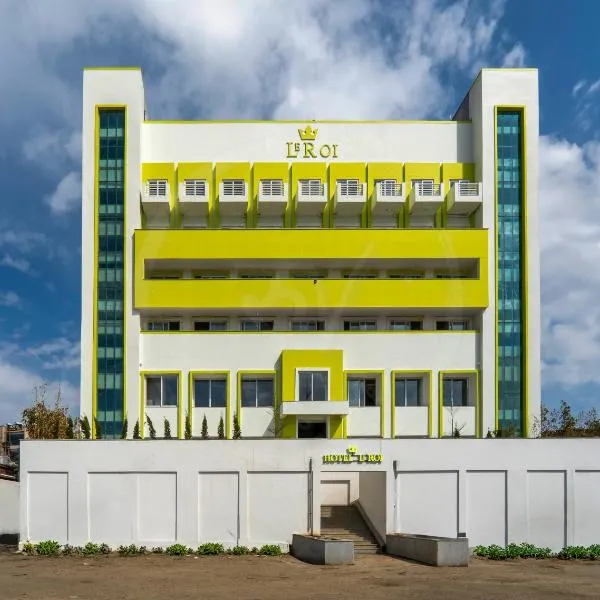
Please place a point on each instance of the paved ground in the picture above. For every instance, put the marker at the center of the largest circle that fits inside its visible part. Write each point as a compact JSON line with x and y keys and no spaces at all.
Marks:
{"x":268,"y":578}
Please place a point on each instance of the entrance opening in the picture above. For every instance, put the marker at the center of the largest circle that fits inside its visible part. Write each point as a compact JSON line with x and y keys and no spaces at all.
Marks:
{"x":312,"y":429}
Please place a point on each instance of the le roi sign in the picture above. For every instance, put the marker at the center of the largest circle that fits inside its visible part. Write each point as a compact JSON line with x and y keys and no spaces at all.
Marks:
{"x":308,"y":148}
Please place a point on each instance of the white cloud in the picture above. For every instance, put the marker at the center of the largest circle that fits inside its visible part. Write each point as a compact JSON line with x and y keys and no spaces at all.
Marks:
{"x":67,"y":194}
{"x":587,"y":108}
{"x":578,"y":87}
{"x":60,"y":353}
{"x":20,"y":264}
{"x":570,"y":247}
{"x":9,"y":299}
{"x":52,"y":149}
{"x":515,"y":57}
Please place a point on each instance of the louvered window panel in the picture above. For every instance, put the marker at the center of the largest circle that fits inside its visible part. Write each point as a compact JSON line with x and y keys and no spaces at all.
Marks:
{"x":271,"y":187}
{"x":157,"y":187}
{"x":234,"y":187}
{"x":195,"y":187}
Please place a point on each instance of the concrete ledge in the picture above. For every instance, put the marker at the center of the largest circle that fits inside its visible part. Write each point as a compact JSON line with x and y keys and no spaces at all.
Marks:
{"x":322,"y":551}
{"x":430,"y":550}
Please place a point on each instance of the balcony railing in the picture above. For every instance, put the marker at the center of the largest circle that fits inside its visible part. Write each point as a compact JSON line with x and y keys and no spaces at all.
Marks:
{"x":464,"y":198}
{"x":350,"y":191}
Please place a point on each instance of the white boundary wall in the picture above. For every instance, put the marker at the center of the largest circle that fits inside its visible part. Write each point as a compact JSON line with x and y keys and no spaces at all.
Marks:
{"x":251,"y":492}
{"x":9,"y":507}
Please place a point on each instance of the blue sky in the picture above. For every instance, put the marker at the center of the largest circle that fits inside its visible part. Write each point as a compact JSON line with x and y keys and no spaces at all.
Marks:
{"x":280,"y":59}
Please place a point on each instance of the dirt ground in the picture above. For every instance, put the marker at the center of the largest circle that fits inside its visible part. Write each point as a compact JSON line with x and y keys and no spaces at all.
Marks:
{"x":269,"y":578}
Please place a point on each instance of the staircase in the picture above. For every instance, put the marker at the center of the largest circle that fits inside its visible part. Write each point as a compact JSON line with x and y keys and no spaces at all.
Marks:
{"x":346,"y":523}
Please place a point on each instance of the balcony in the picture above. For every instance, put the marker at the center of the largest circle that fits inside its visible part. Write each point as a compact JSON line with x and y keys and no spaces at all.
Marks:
{"x":233,"y":202}
{"x":389,"y":197}
{"x":193,"y":198}
{"x":272,"y":197}
{"x":349,"y":198}
{"x":426,"y":198}
{"x":315,"y":408}
{"x":156,"y":197}
{"x":311,"y":199}
{"x":464,"y":198}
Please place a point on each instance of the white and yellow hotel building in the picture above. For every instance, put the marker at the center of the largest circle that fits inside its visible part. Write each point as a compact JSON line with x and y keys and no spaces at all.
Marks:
{"x":338,"y":279}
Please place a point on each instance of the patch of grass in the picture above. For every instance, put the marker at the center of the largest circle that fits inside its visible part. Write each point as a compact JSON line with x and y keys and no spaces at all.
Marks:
{"x":28,"y":548}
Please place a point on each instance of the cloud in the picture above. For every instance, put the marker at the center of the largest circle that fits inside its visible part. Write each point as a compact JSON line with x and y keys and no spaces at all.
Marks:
{"x":570,"y":254}
{"x":587,"y":108}
{"x":9,"y":299}
{"x":52,"y":149}
{"x":67,"y":194}
{"x":20,"y":264}
{"x":515,"y":57}
{"x":60,"y":353}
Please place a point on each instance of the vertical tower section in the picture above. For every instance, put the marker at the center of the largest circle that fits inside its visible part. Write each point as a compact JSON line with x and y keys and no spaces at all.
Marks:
{"x":511,"y":366}
{"x":109,"y":340}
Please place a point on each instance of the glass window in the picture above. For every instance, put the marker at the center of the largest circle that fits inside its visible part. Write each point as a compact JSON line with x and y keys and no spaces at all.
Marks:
{"x":163,"y":325}
{"x":210,"y":325}
{"x":360,"y":325}
{"x":307,"y":275}
{"x":256,"y":275}
{"x":257,"y":392}
{"x":256,"y":325}
{"x":362,"y":391}
{"x":308,"y":325}
{"x":456,"y":392}
{"x":313,"y":385}
{"x":408,"y":391}
{"x":452,"y":325}
{"x":210,"y":393}
{"x":359,"y":275}
{"x":349,"y":187}
{"x":162,"y":390}
{"x":406,"y":275}
{"x":402,"y":325}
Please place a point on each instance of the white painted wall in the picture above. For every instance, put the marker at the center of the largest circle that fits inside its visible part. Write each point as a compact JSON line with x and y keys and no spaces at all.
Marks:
{"x":9,"y":507}
{"x":412,"y":420}
{"x":372,"y":497}
{"x":256,"y":491}
{"x":247,"y":351}
{"x":460,"y":417}
{"x":339,"y":489}
{"x":267,"y":141}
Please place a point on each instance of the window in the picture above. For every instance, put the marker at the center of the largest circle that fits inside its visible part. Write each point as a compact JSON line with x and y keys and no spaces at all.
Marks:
{"x":358,"y":275}
{"x":211,"y":275}
{"x":388,"y":187}
{"x":409,"y":275}
{"x":195,"y":187}
{"x":162,"y":390}
{"x":311,"y":187}
{"x":257,"y":392}
{"x":401,"y":325}
{"x":360,"y":325}
{"x":452,"y":276}
{"x":163,"y":325}
{"x":210,"y":393}
{"x":234,"y":187}
{"x":210,"y":325}
{"x":306,"y":275}
{"x":424,"y":187}
{"x":257,"y":325}
{"x":164,"y":275}
{"x":456,"y":392}
{"x":452,"y":325}
{"x":362,"y":391}
{"x":271,"y":187}
{"x":256,"y":275}
{"x":349,"y":187}
{"x":308,"y":325}
{"x":313,"y":385}
{"x":407,"y":391}
{"x":157,"y":188}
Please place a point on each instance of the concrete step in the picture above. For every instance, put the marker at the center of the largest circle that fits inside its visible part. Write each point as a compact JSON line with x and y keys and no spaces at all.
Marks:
{"x":346,"y":523}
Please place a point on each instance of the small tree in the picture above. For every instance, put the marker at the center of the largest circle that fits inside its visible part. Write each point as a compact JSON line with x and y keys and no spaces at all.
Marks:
{"x":151,"y":430}
{"x":188,"y":427}
{"x":44,"y":422}
{"x":136,"y":430}
{"x":70,"y":429}
{"x":221,"y":430}
{"x":97,"y":429}
{"x":237,"y":430}
{"x":124,"y":429}
{"x":204,"y":430}
{"x":85,"y":427}
{"x":167,"y":429}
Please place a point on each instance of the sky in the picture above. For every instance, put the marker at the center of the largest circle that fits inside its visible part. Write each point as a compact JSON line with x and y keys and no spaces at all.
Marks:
{"x":306,"y":59}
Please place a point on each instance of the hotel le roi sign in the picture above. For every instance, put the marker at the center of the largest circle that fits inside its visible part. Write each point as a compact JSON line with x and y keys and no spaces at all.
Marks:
{"x":308,"y":148}
{"x":352,"y":455}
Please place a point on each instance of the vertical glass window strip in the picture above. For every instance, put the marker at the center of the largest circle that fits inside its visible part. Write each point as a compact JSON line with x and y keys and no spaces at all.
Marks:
{"x":110,"y":285}
{"x":509,"y":232}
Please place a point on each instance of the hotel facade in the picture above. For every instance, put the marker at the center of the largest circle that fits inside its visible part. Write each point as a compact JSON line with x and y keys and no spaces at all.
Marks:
{"x":311,"y":279}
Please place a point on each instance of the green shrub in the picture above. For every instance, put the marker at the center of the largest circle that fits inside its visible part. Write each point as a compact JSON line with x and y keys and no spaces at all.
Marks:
{"x":158,"y":550}
{"x":151,"y":430}
{"x":167,"y":428}
{"x":522,"y":550}
{"x":574,"y":553}
{"x":240,"y":550}
{"x":90,"y":549}
{"x":105,"y":549}
{"x":221,"y":429}
{"x":210,"y":549}
{"x":270,"y":550}
{"x":204,"y":430}
{"x":47,"y":548}
{"x":237,"y":430}
{"x":28,"y":548}
{"x":68,"y":550}
{"x":594,"y":551}
{"x":124,"y":429}
{"x":177,"y":550}
{"x":254,"y":550}
{"x":187,"y":432}
{"x":131,"y":550}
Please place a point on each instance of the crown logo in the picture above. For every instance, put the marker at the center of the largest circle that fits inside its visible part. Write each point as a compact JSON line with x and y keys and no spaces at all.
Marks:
{"x":308,"y":134}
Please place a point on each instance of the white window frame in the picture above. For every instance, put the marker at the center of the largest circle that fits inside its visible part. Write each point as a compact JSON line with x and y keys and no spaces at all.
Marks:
{"x":259,"y":320}
{"x":272,"y":187}
{"x":421,"y":390}
{"x":194,"y":187}
{"x":409,"y":321}
{"x":233,"y":187}
{"x":157,"y":188}
{"x":466,"y":323}
{"x":313,"y":370}
{"x":424,"y":185}
{"x":349,"y":187}
{"x":160,"y":376}
{"x":387,"y":187}
{"x":295,"y":322}
{"x":166,"y":322}
{"x":468,"y":403}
